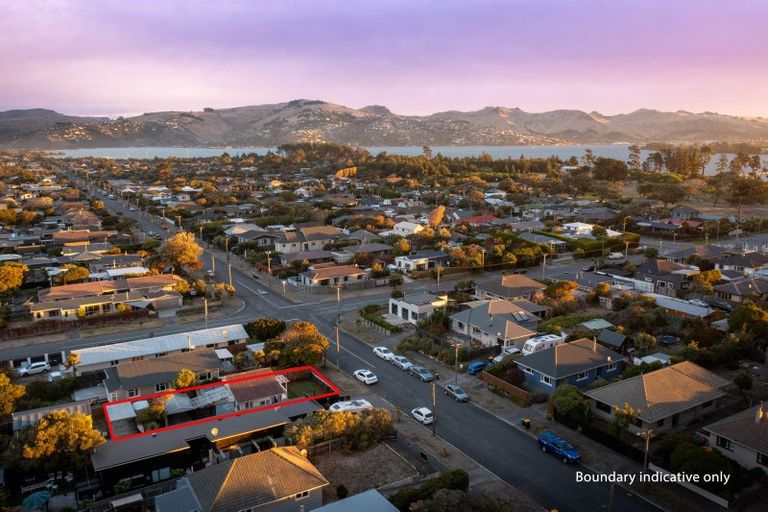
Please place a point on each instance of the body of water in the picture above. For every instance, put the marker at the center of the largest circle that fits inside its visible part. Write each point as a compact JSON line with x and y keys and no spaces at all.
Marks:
{"x":618,"y":151}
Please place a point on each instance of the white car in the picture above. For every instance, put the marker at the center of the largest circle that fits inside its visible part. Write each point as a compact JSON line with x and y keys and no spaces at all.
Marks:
{"x":699,"y":302}
{"x":366,"y":377}
{"x":423,"y":415}
{"x":384,"y":353}
{"x":39,"y":367}
{"x":55,"y":376}
{"x":402,"y":362}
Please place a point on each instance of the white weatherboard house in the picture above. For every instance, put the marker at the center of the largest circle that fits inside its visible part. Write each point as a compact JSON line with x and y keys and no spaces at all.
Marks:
{"x":416,"y":307}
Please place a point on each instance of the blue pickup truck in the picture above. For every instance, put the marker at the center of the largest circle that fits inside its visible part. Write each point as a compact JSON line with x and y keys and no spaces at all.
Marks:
{"x":559,"y":447}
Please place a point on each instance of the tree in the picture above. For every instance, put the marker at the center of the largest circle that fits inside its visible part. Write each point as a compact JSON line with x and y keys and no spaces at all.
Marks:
{"x":265,"y":329}
{"x":588,"y":159}
{"x":634,"y":157}
{"x":744,"y":191}
{"x":568,"y":401}
{"x":704,"y":283}
{"x":622,"y":419}
{"x":59,"y":439}
{"x":743,"y":381}
{"x":301,"y":344}
{"x":667,"y":193}
{"x":561,"y":290}
{"x":609,"y":169}
{"x":11,"y":276}
{"x":751,"y":319}
{"x":650,"y":252}
{"x":73,"y":359}
{"x":436,"y":216}
{"x":599,"y":231}
{"x":186,"y":378}
{"x":182,"y":287}
{"x":74,"y":274}
{"x":402,"y":247}
{"x":722,"y":164}
{"x":181,"y":250}
{"x":645,"y":342}
{"x":9,"y":394}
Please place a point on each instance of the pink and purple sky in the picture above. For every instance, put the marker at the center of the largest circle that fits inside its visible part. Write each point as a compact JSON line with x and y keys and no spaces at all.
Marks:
{"x":112,"y":57}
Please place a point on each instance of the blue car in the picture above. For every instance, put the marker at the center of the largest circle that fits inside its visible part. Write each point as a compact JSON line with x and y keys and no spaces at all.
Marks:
{"x":476,"y":367}
{"x":551,"y":443}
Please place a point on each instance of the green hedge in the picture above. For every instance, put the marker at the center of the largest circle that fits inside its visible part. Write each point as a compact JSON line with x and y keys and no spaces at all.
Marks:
{"x":455,"y":479}
{"x":591,"y":247}
{"x":377,"y":320}
{"x":429,"y":347}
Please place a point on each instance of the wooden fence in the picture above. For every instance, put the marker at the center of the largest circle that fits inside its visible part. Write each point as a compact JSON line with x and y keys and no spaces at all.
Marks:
{"x":507,"y":387}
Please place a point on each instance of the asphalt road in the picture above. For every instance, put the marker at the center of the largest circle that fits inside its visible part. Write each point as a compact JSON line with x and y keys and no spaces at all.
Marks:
{"x":501,"y":448}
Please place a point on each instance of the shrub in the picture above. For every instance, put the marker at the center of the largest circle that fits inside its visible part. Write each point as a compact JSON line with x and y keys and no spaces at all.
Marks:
{"x":358,"y":431}
{"x":424,"y":345}
{"x":455,"y":479}
{"x":537,"y":397}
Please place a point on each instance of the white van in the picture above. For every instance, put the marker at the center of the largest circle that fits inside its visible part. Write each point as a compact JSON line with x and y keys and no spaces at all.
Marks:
{"x":616,"y":256}
{"x":542,"y":342}
{"x":351,"y":406}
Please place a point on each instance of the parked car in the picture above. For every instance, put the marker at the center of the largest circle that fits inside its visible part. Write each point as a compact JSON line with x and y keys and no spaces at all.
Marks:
{"x":616,"y":256}
{"x":366,"y":376}
{"x":402,"y":362}
{"x":457,"y":393}
{"x":551,"y":443}
{"x":34,"y":368}
{"x":351,"y":406}
{"x":210,"y":273}
{"x":255,"y":275}
{"x":423,"y":415}
{"x":476,"y":367}
{"x":668,"y":339}
{"x":721,"y":304}
{"x":422,"y":373}
{"x":590,"y":268}
{"x":699,"y":302}
{"x":509,"y":351}
{"x":55,"y":376}
{"x":384,"y":353}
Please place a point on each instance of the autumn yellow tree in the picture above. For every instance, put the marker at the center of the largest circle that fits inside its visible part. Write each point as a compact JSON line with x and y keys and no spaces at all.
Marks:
{"x":185,"y":378}
{"x":59,"y":439}
{"x":436,"y":216}
{"x":181,"y":250}
{"x":11,"y":276}
{"x":9,"y":394}
{"x":302,"y":343}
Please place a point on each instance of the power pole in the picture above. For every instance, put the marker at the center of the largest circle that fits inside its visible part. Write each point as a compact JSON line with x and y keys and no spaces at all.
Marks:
{"x":456,"y":346}
{"x":434,"y":406}
{"x":229,"y":271}
{"x":269,"y":262}
{"x":226,"y":247}
{"x":205,"y":308}
{"x":213,"y":264}
{"x":544,"y":266}
{"x":338,"y":347}
{"x":647,"y":435}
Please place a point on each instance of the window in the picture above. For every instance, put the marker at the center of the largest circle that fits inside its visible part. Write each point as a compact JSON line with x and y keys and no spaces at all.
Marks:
{"x":203,"y":376}
{"x":138,"y":358}
{"x":114,"y":363}
{"x":161,"y":386}
{"x":301,"y":495}
{"x":600,"y":406}
{"x":161,"y":354}
{"x":724,"y":443}
{"x":546,"y":379}
{"x":762,"y":459}
{"x":527,"y":370}
{"x":133,"y":392}
{"x":612,"y":366}
{"x":582,"y":375}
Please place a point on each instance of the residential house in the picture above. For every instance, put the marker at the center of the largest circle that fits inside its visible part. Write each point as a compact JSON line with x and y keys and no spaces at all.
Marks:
{"x":664,"y":277}
{"x":742,"y":437}
{"x":306,"y":239}
{"x":555,"y":244}
{"x":370,"y":500}
{"x":149,"y":458}
{"x":280,"y":479}
{"x":737,"y":291}
{"x":421,"y":260}
{"x":310,"y":257}
{"x":105,"y":356}
{"x":249,"y":393}
{"x":477,"y":220}
{"x":709,"y":253}
{"x":578,"y":229}
{"x":416,"y":307}
{"x":516,"y":225}
{"x":327,"y":274}
{"x":30,"y":417}
{"x":679,"y":309}
{"x":351,"y":252}
{"x":596,"y":214}
{"x":406,"y":229}
{"x":614,"y":340}
{"x":748,"y":263}
{"x":685,"y":212}
{"x":666,"y":399}
{"x":242,"y":227}
{"x":157,"y":374}
{"x":578,"y":363}
{"x":496,"y":322}
{"x":513,"y":286}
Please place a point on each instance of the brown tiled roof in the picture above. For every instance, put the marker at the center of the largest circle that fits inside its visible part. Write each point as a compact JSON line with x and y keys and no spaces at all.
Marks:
{"x":79,"y":236}
{"x":255,"y":480}
{"x":663,"y":393}
{"x":748,"y":428}
{"x":336,"y":271}
{"x":517,"y":281}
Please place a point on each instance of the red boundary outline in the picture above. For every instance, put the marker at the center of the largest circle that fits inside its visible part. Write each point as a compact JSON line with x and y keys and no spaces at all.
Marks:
{"x":336,"y":391}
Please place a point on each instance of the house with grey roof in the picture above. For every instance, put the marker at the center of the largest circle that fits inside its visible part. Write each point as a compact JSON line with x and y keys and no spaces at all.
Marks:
{"x":666,"y":399}
{"x":555,"y":244}
{"x":742,"y":437}
{"x":578,"y":363}
{"x":370,"y":500}
{"x":748,"y":263}
{"x":276,"y":480}
{"x":513,"y":286}
{"x":664,"y":277}
{"x":738,"y":290}
{"x":416,"y":307}
{"x":496,"y":322}
{"x":613,"y":340}
{"x":709,"y":253}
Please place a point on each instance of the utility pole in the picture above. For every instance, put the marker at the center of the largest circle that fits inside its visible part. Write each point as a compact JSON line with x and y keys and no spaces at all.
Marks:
{"x":229,"y":271}
{"x":544,"y":266}
{"x":205,"y":308}
{"x":438,"y":269}
{"x":456,"y":363}
{"x":626,"y":250}
{"x":226,"y":247}
{"x":213,"y":265}
{"x":434,"y":406}
{"x":338,"y":347}
{"x":269,"y":262}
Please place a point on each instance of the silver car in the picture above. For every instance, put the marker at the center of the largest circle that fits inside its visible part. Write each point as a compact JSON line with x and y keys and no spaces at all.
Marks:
{"x":402,"y":362}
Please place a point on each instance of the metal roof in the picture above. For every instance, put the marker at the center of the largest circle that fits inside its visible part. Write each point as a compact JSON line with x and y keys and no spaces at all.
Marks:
{"x":159,"y":344}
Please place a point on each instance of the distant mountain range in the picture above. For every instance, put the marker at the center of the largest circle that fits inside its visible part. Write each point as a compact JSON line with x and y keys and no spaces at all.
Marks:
{"x":319,"y":121}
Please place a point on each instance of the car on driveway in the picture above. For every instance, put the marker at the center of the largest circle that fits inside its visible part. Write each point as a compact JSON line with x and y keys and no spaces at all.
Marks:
{"x":588,"y":268}
{"x":423,"y":415}
{"x":422,"y":373}
{"x":559,"y":447}
{"x":384,"y":353}
{"x":402,"y":362}
{"x":34,"y":368}
{"x":668,"y":339}
{"x":476,"y":367}
{"x":366,"y":376}
{"x":457,"y":393}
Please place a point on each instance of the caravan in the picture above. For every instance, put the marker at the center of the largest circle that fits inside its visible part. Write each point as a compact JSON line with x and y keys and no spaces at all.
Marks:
{"x":542,"y":342}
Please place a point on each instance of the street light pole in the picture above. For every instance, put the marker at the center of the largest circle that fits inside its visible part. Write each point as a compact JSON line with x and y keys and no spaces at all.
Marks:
{"x":229,"y":271}
{"x":226,"y":247}
{"x":456,"y":363}
{"x":626,"y":250}
{"x":269,"y":262}
{"x":544,"y":266}
{"x":434,"y":406}
{"x":647,"y":435}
